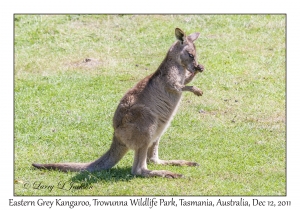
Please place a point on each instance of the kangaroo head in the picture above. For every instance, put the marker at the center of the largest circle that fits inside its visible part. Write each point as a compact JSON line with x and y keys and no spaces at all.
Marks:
{"x":186,"y":50}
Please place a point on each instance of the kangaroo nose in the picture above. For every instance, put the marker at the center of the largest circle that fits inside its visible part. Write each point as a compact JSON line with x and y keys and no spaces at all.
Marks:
{"x":199,"y":67}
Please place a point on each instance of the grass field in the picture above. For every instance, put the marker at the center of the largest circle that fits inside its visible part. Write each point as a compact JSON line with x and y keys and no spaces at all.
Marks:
{"x":64,"y":104}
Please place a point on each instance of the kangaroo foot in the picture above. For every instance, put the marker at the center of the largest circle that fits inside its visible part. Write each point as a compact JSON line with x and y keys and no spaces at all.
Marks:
{"x":160,"y":173}
{"x":174,"y":162}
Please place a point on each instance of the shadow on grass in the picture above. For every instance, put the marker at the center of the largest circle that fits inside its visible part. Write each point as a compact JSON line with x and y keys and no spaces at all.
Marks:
{"x":110,"y":175}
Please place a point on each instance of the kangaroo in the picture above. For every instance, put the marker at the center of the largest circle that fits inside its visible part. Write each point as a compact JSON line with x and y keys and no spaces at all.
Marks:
{"x":145,"y":112}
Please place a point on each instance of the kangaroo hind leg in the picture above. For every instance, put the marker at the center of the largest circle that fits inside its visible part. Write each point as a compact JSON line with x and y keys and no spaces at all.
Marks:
{"x":152,"y":157}
{"x":140,"y":166}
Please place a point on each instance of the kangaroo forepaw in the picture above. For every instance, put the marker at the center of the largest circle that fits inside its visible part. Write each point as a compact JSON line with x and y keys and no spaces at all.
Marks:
{"x":197,"y":91}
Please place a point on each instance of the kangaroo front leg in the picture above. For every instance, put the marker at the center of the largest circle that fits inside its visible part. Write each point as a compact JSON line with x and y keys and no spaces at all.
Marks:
{"x":189,"y":77}
{"x":140,"y":166}
{"x":193,"y":89}
{"x":178,"y":88}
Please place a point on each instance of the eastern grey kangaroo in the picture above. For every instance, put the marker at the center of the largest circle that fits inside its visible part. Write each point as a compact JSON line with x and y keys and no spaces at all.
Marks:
{"x":145,"y":112}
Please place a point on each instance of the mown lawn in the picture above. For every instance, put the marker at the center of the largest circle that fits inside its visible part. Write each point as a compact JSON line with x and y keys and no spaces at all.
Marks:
{"x":64,"y":104}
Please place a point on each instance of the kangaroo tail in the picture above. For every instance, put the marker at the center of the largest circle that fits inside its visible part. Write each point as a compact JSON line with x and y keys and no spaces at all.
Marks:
{"x":62,"y":166}
{"x":115,"y":153}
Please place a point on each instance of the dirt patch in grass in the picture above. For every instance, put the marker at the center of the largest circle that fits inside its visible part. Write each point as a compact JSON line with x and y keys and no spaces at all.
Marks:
{"x":87,"y":63}
{"x":275,"y":119}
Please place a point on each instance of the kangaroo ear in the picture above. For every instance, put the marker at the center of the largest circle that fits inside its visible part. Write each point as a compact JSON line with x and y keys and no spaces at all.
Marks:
{"x":193,"y":37}
{"x":180,"y":35}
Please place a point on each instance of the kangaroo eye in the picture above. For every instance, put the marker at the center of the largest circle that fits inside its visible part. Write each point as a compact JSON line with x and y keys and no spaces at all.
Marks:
{"x":191,"y":56}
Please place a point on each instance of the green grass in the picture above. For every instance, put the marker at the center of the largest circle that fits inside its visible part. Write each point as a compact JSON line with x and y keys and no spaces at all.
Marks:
{"x":64,"y":107}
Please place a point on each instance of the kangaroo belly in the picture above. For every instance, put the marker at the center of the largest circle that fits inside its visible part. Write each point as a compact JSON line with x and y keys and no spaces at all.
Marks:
{"x":144,"y":123}
{"x":164,"y":119}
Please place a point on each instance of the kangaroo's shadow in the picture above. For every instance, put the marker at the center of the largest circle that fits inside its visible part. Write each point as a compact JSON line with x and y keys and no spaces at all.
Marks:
{"x":110,"y":175}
